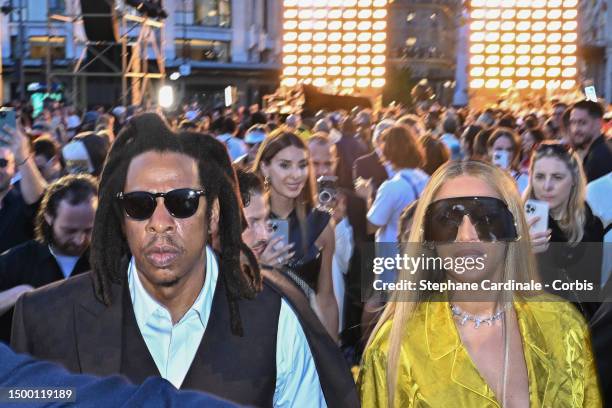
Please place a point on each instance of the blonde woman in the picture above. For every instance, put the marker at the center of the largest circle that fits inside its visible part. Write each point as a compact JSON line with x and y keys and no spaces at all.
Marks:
{"x":556,"y":176}
{"x":510,"y":349}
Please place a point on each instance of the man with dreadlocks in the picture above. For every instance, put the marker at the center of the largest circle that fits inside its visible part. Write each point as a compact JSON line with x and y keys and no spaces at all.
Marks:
{"x":159,"y":301}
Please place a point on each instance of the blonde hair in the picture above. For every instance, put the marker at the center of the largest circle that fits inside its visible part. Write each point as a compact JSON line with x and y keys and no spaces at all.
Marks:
{"x":519,"y":263}
{"x":574,"y":217}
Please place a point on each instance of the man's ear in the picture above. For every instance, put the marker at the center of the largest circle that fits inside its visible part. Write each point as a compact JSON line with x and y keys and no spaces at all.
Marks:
{"x":214,"y":238}
{"x":48,"y":218}
{"x":214,"y":216}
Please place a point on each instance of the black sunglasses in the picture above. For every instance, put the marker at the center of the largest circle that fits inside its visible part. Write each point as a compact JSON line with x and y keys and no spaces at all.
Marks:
{"x":490,"y":216}
{"x":3,"y":163}
{"x":180,"y":203}
{"x":559,"y":148}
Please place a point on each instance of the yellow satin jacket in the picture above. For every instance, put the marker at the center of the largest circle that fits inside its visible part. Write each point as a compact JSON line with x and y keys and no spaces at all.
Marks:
{"x":435,"y":369}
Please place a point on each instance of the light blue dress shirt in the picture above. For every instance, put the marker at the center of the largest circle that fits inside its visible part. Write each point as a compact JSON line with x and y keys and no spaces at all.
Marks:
{"x":173,"y":347}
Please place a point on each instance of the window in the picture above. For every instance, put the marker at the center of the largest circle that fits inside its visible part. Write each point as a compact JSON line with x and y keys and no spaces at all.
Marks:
{"x":215,"y":13}
{"x":56,"y":6}
{"x":38,"y":47}
{"x":203,"y":50}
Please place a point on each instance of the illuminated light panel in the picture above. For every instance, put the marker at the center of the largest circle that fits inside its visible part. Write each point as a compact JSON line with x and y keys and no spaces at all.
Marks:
{"x":378,"y":83}
{"x":477,"y":59}
{"x":476,"y":83}
{"x":526,"y":44}
{"x":342,"y":43}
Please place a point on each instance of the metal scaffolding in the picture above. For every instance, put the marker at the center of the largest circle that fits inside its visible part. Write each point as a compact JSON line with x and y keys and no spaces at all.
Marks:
{"x":140,"y":38}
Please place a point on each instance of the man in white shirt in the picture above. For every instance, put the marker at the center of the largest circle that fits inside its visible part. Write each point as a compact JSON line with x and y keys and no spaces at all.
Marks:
{"x":159,"y":300}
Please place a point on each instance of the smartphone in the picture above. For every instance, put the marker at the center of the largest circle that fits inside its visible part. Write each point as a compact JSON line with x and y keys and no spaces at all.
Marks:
{"x":536,"y":208}
{"x":590,"y":93}
{"x":327,"y":188}
{"x":280,"y":228}
{"x":7,"y":118}
{"x":501,"y":158}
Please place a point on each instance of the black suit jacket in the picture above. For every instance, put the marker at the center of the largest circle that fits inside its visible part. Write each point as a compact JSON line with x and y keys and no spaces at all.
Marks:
{"x":598,"y":160}
{"x":64,"y":322}
{"x":370,"y":166}
{"x":356,"y":211}
{"x":16,"y":219}
{"x":350,"y":148}
{"x":30,"y":263}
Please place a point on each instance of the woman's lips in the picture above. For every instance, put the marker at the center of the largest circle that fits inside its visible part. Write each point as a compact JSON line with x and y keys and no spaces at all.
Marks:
{"x":294,"y":187}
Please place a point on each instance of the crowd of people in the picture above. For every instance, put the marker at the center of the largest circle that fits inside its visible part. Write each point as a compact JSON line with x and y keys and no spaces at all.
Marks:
{"x":224,"y":251}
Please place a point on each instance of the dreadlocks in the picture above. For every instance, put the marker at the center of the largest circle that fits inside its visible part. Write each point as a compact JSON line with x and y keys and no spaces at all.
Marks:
{"x":110,"y":253}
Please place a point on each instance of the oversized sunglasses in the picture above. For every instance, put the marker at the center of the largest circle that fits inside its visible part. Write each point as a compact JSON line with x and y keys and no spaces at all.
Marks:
{"x":490,"y":216}
{"x":180,"y":203}
{"x":556,"y":147}
{"x":3,"y":163}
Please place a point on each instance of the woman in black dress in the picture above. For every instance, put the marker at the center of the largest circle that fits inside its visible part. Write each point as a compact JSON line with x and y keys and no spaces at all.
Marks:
{"x":283,"y":162}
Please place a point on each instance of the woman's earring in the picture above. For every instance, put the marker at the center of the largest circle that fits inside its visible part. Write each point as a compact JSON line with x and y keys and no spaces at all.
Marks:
{"x":267,"y":182}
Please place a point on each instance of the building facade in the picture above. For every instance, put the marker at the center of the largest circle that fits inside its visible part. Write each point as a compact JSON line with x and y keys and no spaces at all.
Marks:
{"x":213,"y":43}
{"x":595,"y":45}
{"x":423,"y":38}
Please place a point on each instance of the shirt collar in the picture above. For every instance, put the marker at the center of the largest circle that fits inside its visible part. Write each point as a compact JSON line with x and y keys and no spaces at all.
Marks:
{"x":145,"y":305}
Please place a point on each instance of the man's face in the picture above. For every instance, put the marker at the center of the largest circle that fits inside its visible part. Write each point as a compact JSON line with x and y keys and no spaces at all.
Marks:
{"x":257,"y":235}
{"x":558,"y":114}
{"x":166,"y":249}
{"x":583,"y":128}
{"x":72,"y":226}
{"x":324,"y":159}
{"x":7,"y":168}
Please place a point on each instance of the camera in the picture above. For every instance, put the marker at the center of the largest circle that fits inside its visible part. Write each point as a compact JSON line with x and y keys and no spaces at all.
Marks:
{"x":327,"y":189}
{"x":529,"y":209}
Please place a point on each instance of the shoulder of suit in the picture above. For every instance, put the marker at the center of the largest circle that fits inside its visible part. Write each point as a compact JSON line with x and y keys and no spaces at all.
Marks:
{"x":66,"y":290}
{"x":28,"y":247}
{"x":552,"y":311}
{"x":279,"y":285}
{"x":270,"y":288}
{"x":379,"y":345}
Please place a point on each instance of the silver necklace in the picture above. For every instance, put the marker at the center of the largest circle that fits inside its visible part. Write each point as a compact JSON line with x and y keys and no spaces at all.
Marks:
{"x":478,"y":320}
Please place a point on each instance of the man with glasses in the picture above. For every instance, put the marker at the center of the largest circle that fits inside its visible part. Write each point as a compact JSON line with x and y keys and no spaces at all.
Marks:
{"x":159,"y":300}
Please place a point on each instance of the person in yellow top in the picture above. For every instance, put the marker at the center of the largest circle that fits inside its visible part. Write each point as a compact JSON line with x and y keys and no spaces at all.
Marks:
{"x":512,"y":348}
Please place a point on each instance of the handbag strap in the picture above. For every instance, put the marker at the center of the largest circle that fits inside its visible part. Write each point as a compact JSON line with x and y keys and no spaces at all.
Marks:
{"x":407,"y":179}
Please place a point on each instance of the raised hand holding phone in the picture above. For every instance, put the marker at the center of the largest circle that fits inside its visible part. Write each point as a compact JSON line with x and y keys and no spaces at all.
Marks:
{"x":501,"y":158}
{"x":537,"y":218}
{"x":8,"y":119}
